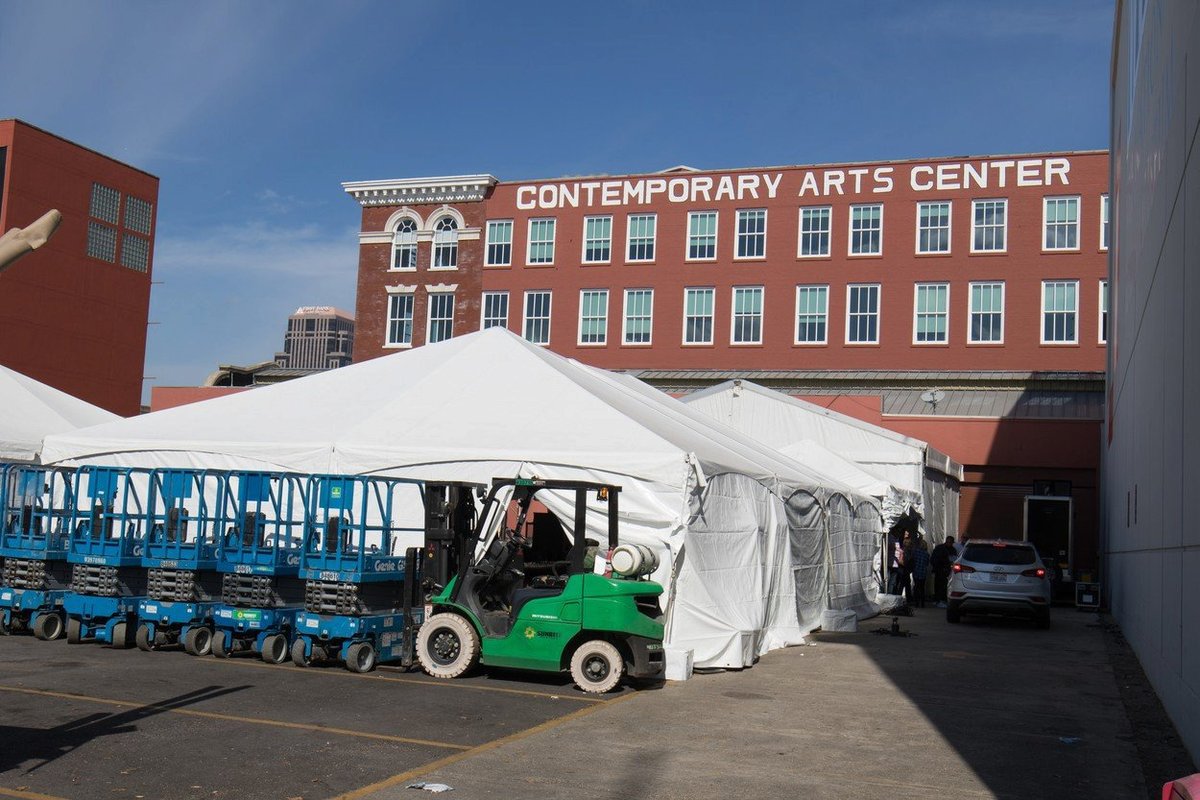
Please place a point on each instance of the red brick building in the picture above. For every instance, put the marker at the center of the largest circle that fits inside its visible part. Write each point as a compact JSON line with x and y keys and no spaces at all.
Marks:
{"x":73,"y":314}
{"x":982,"y":277}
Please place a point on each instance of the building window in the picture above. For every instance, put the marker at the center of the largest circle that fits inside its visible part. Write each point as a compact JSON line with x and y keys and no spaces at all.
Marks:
{"x":1061,"y":222}
{"x":102,"y":241}
{"x":597,"y":240}
{"x":541,"y":241}
{"x":138,"y":215}
{"x":747,"y":315}
{"x":988,"y":226}
{"x":1059,"y":309}
{"x":445,"y":244}
{"x":495,"y":310}
{"x":812,"y":314}
{"x":702,"y":235}
{"x":931,"y":313}
{"x":404,"y":245}
{"x":933,"y":227}
{"x":866,"y":230}
{"x":641,"y":237}
{"x":135,"y":252}
{"x":499,"y":243}
{"x":400,"y":320}
{"x":639,"y":316}
{"x":862,"y":314}
{"x":441,"y":317}
{"x":1104,"y":225}
{"x":1103,"y":335}
{"x":752,"y":233}
{"x":537,"y":317}
{"x":593,"y":316}
{"x":987,"y":313}
{"x":814,"y":231}
{"x":106,"y":203}
{"x":698,"y":316}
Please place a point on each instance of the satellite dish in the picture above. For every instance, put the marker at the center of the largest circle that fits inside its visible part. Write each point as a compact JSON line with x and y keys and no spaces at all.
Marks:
{"x":933,"y":396}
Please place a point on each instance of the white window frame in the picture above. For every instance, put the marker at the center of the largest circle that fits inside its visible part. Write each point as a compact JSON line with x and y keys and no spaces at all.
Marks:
{"x":823,"y":289}
{"x":711,"y":291}
{"x":949,"y":228}
{"x":850,"y":244}
{"x":430,"y":319}
{"x":739,"y":235}
{"x":553,"y":226}
{"x":409,"y":244}
{"x":583,"y":293}
{"x":716,"y":236}
{"x":649,"y":317}
{"x":971,"y":312}
{"x":653,"y":238}
{"x":1046,"y":201}
{"x":445,"y":245}
{"x":526,"y":319}
{"x":493,"y":226}
{"x":483,"y":311}
{"x":734,"y":315}
{"x":944,"y":313}
{"x":1003,"y":227}
{"x":412,"y":313}
{"x":827,"y":232}
{"x":854,"y":314}
{"x":1105,"y":222}
{"x":1102,"y":312}
{"x":583,"y":255}
{"x":1073,"y":311}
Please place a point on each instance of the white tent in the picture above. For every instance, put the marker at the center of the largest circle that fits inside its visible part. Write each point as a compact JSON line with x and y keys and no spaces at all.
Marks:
{"x":32,"y":410}
{"x":742,"y":529}
{"x":918,"y":472}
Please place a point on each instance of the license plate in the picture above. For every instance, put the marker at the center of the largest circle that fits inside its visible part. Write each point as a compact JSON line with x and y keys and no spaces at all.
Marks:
{"x":999,"y":577}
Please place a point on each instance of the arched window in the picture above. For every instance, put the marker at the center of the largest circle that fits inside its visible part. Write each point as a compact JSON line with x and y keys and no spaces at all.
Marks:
{"x":404,"y":245}
{"x":445,"y":243}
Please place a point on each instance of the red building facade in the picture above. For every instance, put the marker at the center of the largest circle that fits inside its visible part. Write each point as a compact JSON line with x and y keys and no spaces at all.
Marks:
{"x":73,"y":314}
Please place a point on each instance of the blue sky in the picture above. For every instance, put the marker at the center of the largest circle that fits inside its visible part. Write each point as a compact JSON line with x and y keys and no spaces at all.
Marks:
{"x":253,"y":113}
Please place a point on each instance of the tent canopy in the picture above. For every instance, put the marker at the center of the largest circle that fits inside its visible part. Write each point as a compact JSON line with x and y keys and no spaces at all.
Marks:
{"x":33,"y":410}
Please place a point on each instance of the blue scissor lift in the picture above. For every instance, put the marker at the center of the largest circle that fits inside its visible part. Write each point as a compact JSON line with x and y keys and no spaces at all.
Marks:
{"x":107,"y":534}
{"x":185,"y":517}
{"x":259,"y":558}
{"x":35,"y":505}
{"x":363,"y":601}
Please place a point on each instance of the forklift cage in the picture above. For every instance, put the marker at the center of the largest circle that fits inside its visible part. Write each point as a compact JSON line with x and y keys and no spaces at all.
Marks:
{"x":108,"y":516}
{"x":184,"y":518}
{"x":35,"y":507}
{"x":267,"y":520}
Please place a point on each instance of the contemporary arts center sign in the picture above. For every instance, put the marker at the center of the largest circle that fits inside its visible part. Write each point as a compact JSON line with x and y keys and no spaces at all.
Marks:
{"x":986,"y":175}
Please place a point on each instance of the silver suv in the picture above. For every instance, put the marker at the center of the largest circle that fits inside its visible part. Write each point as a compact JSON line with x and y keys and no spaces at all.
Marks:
{"x":999,"y":576}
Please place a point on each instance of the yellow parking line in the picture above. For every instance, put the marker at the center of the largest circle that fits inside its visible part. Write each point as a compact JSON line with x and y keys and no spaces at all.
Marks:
{"x":483,"y":748}
{"x":451,"y":684}
{"x":27,"y":795}
{"x":233,"y":718}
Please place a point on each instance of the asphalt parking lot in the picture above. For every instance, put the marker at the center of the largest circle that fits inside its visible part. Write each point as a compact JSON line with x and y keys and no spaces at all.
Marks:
{"x":88,"y":721}
{"x":985,"y":709}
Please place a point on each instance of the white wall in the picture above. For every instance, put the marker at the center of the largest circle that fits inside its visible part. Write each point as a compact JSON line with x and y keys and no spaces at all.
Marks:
{"x":1152,"y":533}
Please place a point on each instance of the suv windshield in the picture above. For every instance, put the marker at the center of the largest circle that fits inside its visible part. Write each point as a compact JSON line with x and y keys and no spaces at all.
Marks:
{"x":999,"y":554}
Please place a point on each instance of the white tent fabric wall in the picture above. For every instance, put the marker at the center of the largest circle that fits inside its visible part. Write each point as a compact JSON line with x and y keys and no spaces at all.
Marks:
{"x":31,"y":410}
{"x":490,"y":404}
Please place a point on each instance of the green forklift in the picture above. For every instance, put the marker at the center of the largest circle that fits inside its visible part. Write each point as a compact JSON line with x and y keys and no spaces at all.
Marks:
{"x":533,"y":600}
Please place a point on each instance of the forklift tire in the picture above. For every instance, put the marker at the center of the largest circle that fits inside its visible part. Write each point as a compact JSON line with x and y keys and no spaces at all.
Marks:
{"x":360,"y":657}
{"x":145,"y":641}
{"x":447,"y":645}
{"x":198,"y":641}
{"x":275,"y":649}
{"x":298,"y":657}
{"x":120,"y":636}
{"x":48,"y":627}
{"x":74,"y":631}
{"x":219,"y":648}
{"x":597,"y":667}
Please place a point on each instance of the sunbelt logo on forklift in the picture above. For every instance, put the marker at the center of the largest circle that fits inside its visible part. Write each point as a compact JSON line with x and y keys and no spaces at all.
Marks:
{"x":531,"y":633}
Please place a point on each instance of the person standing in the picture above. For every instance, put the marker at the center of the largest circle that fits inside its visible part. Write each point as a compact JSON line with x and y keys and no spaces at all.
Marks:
{"x":940,"y":561}
{"x":895,"y":564}
{"x":906,"y":564}
{"x":920,"y":570}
